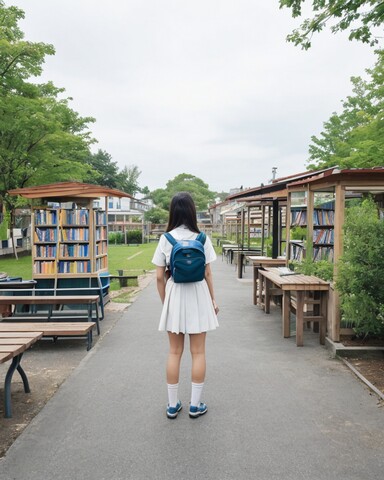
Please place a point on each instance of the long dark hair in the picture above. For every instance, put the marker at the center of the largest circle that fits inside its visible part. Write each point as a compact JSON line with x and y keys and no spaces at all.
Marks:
{"x":182,"y":212}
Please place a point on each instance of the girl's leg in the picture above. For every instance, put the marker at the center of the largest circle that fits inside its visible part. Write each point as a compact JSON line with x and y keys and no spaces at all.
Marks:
{"x":176,"y":348}
{"x":197,"y":345}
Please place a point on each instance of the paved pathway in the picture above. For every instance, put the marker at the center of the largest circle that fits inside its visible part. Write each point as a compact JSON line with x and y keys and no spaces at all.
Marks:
{"x":275,"y":411}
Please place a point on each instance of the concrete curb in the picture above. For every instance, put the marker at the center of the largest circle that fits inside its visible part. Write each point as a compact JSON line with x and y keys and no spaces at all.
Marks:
{"x":340,"y":350}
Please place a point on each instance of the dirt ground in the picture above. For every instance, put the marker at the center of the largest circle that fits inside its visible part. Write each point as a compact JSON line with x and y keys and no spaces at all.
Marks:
{"x":49,"y":364}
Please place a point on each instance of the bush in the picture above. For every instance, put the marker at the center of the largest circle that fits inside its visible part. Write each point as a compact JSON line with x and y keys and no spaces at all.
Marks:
{"x":116,"y":237}
{"x":134,"y":236}
{"x":322,"y":268}
{"x":361,"y":270}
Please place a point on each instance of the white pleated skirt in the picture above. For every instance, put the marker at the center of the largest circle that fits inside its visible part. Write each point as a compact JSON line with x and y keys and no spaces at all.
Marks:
{"x":187,"y":308}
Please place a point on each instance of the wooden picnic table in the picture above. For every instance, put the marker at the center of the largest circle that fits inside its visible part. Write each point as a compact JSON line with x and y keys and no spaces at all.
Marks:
{"x":271,"y":282}
{"x":52,"y":301}
{"x":260,"y":261}
{"x":12,"y":346}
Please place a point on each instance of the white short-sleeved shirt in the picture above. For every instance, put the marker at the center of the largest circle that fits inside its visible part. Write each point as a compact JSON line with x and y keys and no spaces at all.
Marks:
{"x":187,"y":307}
{"x":162,"y":254}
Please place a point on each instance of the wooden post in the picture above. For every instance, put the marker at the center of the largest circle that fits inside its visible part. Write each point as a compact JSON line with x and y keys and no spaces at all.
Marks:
{"x":288,"y":228}
{"x":334,"y":332}
{"x":262,"y":228}
{"x":310,"y":205}
{"x":275,"y":229}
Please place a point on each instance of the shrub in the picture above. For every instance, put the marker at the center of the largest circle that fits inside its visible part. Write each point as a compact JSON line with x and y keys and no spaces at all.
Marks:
{"x":360,"y":277}
{"x":134,"y":236}
{"x":322,"y":268}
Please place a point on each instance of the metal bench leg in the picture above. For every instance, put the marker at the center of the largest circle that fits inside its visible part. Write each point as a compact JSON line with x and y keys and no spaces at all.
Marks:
{"x":89,"y":342}
{"x":97,"y":317}
{"x":15,"y":365}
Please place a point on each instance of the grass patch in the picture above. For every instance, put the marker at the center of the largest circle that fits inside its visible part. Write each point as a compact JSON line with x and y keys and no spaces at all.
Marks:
{"x":124,"y":297}
{"x":134,"y":260}
{"x":17,"y":268}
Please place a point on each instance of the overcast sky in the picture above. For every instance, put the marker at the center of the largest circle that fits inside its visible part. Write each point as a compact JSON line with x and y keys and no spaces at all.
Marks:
{"x":207,"y":87}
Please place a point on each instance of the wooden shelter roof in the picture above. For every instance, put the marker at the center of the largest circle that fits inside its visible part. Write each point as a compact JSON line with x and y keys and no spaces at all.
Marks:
{"x":353,"y":177}
{"x":68,"y":190}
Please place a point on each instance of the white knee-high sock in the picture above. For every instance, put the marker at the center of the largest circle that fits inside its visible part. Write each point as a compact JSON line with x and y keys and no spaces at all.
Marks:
{"x":197,"y":389}
{"x":173,"y":394}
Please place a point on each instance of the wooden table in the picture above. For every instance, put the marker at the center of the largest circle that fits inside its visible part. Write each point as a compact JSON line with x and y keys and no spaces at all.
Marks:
{"x":12,"y":346}
{"x":52,"y":301}
{"x":259,"y":261}
{"x":301,"y":285}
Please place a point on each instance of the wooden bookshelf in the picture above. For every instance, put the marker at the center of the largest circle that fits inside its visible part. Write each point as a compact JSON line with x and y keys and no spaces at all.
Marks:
{"x":69,"y":241}
{"x":319,"y":226}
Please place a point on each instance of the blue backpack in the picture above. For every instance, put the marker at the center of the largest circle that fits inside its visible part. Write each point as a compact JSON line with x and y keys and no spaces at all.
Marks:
{"x":187,"y":259}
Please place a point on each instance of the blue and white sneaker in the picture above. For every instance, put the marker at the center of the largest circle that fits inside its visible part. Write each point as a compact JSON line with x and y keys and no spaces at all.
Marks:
{"x":195,"y":412}
{"x":172,"y":412}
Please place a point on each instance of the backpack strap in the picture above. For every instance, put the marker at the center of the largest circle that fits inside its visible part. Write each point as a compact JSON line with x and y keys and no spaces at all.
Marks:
{"x":201,"y":237}
{"x":170,"y":239}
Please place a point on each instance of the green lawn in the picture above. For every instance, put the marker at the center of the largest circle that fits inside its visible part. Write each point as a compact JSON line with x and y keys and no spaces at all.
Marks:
{"x":133,"y":260}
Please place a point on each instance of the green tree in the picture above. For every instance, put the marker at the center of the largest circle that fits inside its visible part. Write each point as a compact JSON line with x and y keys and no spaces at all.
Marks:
{"x":103,"y":171}
{"x":360,"y":17}
{"x":355,"y":137}
{"x":128,"y":179}
{"x":42,"y":139}
{"x":184,"y":182}
{"x":156,"y":215}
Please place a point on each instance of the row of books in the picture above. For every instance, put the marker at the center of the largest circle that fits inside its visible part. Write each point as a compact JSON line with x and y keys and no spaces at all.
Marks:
{"x":45,"y":251}
{"x":74,"y":250}
{"x":45,"y":234}
{"x":299,"y":217}
{"x":100,"y":218}
{"x":324,"y":217}
{"x":323,"y":253}
{"x":323,"y":236}
{"x":101,"y":248}
{"x":45,"y":217}
{"x":44,"y":267}
{"x":297,"y":252}
{"x":101,"y":263}
{"x":73,"y":234}
{"x":101,"y":233}
{"x":74,"y":217}
{"x":79,"y":266}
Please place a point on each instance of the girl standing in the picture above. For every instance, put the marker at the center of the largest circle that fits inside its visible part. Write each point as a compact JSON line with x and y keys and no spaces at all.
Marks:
{"x":188,"y":308}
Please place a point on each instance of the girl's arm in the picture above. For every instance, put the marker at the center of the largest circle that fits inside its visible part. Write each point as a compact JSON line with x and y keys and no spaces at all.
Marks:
{"x":209,"y":280}
{"x":160,"y":279}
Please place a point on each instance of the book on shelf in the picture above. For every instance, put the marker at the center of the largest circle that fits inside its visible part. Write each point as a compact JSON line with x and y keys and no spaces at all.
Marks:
{"x":323,"y":236}
{"x":45,"y":234}
{"x":45,"y":251}
{"x":299,"y":218}
{"x":323,"y":217}
{"x":73,"y":234}
{"x":74,"y":217}
{"x":45,"y":217}
{"x":75,"y":266}
{"x":44,"y":267}
{"x":74,"y":250}
{"x":101,"y":233}
{"x":100,"y":218}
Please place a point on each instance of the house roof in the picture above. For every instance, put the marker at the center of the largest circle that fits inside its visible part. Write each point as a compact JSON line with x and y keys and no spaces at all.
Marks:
{"x":68,"y":190}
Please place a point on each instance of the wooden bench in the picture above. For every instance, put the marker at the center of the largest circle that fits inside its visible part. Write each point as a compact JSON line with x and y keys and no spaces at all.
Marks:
{"x":51,"y":302}
{"x":12,"y":346}
{"x":51,"y":329}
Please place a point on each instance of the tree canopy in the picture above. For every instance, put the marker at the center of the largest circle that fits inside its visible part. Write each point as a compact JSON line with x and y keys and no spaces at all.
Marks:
{"x":355,"y":137}
{"x":42,"y":139}
{"x":359,"y":17}
{"x":184,"y":182}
